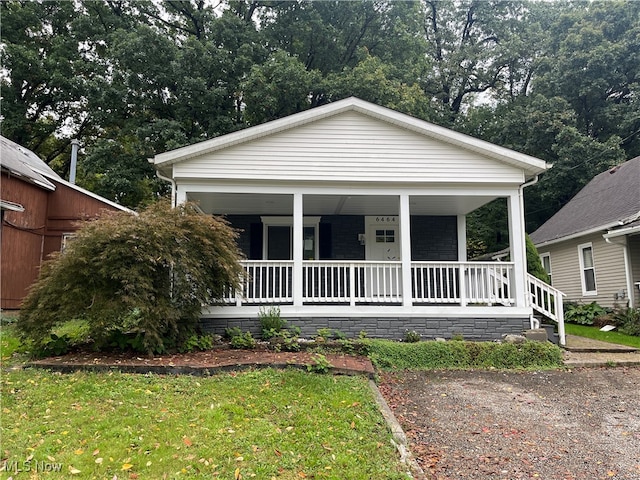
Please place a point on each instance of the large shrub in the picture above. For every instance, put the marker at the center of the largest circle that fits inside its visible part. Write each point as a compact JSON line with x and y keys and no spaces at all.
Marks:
{"x":137,"y":280}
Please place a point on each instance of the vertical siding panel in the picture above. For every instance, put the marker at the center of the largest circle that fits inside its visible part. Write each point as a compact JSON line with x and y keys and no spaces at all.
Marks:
{"x":31,"y":236}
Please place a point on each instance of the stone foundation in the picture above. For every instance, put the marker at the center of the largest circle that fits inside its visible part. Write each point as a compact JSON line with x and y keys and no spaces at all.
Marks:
{"x":391,"y":328}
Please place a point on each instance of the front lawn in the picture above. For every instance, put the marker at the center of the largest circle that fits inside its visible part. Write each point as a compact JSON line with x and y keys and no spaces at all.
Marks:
{"x":596,"y":334}
{"x":264,"y":424}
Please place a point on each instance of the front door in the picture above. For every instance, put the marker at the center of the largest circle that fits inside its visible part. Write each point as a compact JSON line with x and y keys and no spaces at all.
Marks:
{"x":382,"y":235}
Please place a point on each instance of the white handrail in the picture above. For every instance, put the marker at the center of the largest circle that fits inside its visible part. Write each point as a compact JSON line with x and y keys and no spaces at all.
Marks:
{"x":547,"y":300}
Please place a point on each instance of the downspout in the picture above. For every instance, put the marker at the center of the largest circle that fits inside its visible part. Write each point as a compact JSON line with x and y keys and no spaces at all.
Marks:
{"x":533,"y":321}
{"x":627,"y":270}
{"x":167,"y":179}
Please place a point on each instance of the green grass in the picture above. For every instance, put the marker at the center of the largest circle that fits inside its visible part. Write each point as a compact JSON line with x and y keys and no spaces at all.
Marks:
{"x":9,"y":343}
{"x":267,"y":424}
{"x":596,"y":334}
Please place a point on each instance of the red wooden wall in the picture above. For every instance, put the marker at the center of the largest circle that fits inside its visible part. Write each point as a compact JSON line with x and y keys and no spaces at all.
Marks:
{"x":29,"y":237}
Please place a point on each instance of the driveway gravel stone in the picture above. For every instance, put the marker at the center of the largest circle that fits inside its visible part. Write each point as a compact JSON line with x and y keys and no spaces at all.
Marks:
{"x":580,"y":424}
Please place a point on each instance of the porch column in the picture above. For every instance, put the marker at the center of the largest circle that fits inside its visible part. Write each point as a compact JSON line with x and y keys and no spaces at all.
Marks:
{"x":181,"y":195}
{"x":405,"y":250}
{"x":517,"y":247}
{"x":462,"y":238}
{"x":298,"y":225}
{"x":462,"y":257}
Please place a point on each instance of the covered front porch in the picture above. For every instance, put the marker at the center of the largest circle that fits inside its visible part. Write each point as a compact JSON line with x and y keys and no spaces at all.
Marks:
{"x":371,"y":261}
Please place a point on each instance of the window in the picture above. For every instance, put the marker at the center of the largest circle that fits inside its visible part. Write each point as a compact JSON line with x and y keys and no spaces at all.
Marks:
{"x":545,"y":258}
{"x":278,"y":238}
{"x":66,"y":238}
{"x":587,"y":268}
{"x":385,"y":236}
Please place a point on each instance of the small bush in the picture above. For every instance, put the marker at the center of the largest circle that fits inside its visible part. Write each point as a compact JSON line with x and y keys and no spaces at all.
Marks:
{"x":270,"y":322}
{"x":231,"y":332}
{"x":338,"y":335}
{"x":285,"y":340}
{"x":411,"y":336}
{"x":583,"y":314}
{"x":197,"y":343}
{"x":323,"y":334}
{"x":320,"y":364}
{"x":243,"y":341}
{"x":628,"y":321}
{"x":387,"y":354}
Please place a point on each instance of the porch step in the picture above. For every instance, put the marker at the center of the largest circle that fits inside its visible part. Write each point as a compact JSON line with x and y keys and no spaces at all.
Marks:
{"x":583,"y":345}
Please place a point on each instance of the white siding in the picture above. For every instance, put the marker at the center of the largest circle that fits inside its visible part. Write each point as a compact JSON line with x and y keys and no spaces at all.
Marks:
{"x":349,"y":147}
{"x":609,"y":267}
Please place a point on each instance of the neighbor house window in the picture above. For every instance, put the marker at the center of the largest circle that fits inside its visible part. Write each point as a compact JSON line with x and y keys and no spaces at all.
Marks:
{"x":587,"y":268}
{"x":545,"y":258}
{"x":66,"y":238}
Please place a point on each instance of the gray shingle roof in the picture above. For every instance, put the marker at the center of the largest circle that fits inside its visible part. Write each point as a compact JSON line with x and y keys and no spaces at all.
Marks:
{"x":24,"y":163}
{"x":610,"y":197}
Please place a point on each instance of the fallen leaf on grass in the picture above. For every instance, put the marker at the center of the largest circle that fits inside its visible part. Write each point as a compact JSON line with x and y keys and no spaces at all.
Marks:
{"x":126,"y":466}
{"x":73,"y":471}
{"x":187,"y":441}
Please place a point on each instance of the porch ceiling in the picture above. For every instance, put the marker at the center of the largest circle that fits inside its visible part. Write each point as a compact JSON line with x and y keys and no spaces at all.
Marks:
{"x":270,"y":204}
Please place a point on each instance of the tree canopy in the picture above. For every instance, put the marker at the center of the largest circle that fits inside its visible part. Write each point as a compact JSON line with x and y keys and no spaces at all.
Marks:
{"x":557,"y":80}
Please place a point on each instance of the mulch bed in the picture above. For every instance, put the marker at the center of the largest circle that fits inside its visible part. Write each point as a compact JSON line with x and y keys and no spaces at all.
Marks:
{"x":202,"y":363}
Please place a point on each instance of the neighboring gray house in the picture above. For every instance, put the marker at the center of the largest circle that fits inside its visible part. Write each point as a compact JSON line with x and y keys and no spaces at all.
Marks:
{"x":352,"y":217}
{"x":591,"y":247}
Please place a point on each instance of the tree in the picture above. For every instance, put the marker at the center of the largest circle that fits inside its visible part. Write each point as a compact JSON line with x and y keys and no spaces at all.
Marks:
{"x":534,"y":264}
{"x":470,"y":46}
{"x":279,"y":87}
{"x":143,"y":277}
{"x":545,"y":128}
{"x":595,"y":66}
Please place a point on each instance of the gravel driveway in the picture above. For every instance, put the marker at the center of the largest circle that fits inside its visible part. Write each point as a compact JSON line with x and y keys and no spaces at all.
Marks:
{"x":572,"y":425}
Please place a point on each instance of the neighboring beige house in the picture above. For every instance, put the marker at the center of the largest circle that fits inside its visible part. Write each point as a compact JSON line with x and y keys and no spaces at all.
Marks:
{"x":591,"y":247}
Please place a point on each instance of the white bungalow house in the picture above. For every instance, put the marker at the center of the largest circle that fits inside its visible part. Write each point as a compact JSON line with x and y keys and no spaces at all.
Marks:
{"x":352,"y":217}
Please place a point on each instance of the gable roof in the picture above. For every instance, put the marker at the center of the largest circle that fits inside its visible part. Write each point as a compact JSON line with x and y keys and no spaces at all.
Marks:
{"x":530,"y":165}
{"x":22,"y":162}
{"x":610,"y":199}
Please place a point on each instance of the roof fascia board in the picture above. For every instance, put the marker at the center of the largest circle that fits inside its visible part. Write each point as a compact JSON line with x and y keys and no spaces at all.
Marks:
{"x":622,"y":232}
{"x":528,"y":163}
{"x":577,"y":235}
{"x":44,"y":183}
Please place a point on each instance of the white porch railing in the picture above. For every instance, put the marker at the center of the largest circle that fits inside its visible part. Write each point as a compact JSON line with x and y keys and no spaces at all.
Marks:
{"x":548,"y":301}
{"x":484,"y":283}
{"x":370,"y":282}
